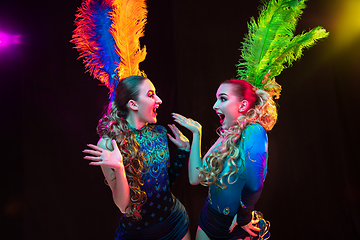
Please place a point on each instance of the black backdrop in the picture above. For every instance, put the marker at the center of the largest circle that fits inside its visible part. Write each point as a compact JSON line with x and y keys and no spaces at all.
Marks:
{"x":50,"y":108}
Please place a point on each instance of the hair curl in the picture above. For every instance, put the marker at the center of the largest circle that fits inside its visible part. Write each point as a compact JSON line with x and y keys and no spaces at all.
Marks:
{"x":113,"y":125}
{"x":261,"y":110}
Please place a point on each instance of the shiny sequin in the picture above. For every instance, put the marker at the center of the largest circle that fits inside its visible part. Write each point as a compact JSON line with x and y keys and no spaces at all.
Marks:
{"x":226,"y":211}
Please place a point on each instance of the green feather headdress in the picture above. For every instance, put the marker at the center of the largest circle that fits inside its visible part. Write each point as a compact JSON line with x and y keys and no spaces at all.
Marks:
{"x":270,"y":45}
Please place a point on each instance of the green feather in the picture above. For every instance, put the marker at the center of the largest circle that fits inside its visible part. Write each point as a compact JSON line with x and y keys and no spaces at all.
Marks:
{"x":270,"y":45}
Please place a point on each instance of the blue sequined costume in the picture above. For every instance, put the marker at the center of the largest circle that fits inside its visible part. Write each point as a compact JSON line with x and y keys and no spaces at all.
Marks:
{"x":163,"y":216}
{"x":240,"y":197}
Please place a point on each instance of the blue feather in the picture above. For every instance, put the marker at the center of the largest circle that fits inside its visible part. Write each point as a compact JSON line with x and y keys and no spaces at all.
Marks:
{"x":94,"y":40}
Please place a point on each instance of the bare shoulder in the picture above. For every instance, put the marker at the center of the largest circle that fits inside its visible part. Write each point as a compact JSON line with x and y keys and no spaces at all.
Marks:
{"x":105,"y":143}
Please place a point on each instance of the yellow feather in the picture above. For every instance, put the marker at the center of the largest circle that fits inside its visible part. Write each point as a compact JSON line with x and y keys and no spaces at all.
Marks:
{"x":129,"y":19}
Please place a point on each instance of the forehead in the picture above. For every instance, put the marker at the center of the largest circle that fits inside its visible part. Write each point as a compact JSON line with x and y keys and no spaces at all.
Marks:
{"x":224,"y":89}
{"x":146,"y":86}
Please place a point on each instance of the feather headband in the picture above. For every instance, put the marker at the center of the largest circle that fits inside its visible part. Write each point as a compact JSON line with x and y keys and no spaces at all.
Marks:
{"x":107,"y":37}
{"x":270,"y":45}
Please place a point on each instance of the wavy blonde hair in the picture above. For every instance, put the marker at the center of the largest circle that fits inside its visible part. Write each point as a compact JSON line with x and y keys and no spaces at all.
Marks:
{"x":113,"y":125}
{"x":262,"y":110}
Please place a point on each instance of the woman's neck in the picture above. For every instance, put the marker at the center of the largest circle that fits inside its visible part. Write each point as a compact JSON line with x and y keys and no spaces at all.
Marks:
{"x":134,"y":122}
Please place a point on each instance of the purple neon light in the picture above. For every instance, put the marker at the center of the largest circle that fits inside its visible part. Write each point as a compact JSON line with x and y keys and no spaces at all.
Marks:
{"x":7,"y":39}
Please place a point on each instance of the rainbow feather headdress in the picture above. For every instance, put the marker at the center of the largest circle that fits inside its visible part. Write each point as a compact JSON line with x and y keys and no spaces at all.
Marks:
{"x":107,"y":36}
{"x":271,"y":46}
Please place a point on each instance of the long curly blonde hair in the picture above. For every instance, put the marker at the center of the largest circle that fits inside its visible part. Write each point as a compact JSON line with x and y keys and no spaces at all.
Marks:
{"x":113,"y":125}
{"x":262,"y":110}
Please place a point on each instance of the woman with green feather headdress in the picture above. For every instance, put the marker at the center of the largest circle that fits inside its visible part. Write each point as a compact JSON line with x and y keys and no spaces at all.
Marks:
{"x":235,"y":167}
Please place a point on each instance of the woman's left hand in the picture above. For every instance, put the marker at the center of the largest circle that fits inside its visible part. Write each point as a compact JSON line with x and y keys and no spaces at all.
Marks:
{"x":188,"y":123}
{"x":180,"y":140}
{"x":249,"y":228}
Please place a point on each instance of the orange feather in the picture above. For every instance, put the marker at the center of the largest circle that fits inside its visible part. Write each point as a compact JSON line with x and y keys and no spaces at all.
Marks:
{"x":129,"y":19}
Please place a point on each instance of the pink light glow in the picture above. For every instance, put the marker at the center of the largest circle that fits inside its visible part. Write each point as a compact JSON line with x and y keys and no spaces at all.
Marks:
{"x":9,"y":39}
{"x":10,"y":48}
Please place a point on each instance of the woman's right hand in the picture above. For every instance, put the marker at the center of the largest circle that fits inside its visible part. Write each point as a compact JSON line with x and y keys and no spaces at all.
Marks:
{"x":103,"y":157}
{"x":188,"y":123}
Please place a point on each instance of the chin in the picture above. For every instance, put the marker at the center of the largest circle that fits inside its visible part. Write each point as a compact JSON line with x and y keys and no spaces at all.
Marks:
{"x":152,"y":121}
{"x":227,"y":126}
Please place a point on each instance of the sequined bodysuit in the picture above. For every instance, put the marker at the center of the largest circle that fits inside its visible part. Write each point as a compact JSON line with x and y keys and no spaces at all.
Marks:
{"x":157,"y":176}
{"x":240,"y":196}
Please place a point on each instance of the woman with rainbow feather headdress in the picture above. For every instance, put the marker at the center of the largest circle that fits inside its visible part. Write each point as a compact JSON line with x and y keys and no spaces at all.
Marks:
{"x":132,"y":152}
{"x":235,"y":167}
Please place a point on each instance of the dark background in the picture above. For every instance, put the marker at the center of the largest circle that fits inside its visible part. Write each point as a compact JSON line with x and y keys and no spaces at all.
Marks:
{"x":50,"y":108}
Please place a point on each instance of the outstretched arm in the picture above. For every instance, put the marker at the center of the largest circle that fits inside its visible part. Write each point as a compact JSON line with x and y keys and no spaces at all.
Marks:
{"x":110,"y":159}
{"x":195,"y":155}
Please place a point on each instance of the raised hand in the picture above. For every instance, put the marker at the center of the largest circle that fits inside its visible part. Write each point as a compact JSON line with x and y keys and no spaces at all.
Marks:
{"x":103,"y":157}
{"x":180,"y":140}
{"x":188,"y":123}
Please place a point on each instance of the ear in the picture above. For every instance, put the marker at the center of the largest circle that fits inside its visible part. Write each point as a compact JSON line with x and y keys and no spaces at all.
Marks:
{"x":132,"y":105}
{"x":243,"y":106}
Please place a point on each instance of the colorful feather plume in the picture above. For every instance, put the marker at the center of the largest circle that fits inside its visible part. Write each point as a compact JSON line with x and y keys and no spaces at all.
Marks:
{"x":93,"y":39}
{"x":129,"y":19}
{"x":270,"y":45}
{"x":107,"y":35}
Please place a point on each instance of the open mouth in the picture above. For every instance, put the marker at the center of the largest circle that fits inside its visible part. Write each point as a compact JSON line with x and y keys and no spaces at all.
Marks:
{"x":221,"y":116}
{"x":154,"y":110}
